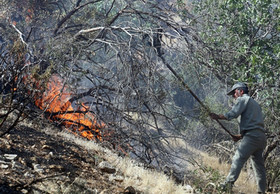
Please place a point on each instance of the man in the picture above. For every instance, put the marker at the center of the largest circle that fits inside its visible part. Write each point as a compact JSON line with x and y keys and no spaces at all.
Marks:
{"x":252,"y":136}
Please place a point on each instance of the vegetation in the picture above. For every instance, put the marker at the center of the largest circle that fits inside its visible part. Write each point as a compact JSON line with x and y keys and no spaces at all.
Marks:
{"x":109,"y":61}
{"x":241,"y":43}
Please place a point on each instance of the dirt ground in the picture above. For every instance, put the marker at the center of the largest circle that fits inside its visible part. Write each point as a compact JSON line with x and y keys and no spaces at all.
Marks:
{"x":32,"y":161}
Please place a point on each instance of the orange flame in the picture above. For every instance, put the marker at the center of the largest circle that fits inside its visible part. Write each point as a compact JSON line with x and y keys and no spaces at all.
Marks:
{"x":55,"y":101}
{"x":29,"y":15}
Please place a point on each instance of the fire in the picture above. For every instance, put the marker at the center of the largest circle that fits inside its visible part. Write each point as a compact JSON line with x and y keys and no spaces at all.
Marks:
{"x":55,"y":101}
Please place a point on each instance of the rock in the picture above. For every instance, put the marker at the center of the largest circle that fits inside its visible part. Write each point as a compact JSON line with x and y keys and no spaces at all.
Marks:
{"x":56,"y":167}
{"x":24,"y":191}
{"x":106,"y":167}
{"x":17,"y":165}
{"x":28,"y":175}
{"x":4,"y":140}
{"x":34,"y":159}
{"x":46,"y":147}
{"x":8,"y":136}
{"x":188,"y":189}
{"x":3,"y":162}
{"x":118,"y":178}
{"x":4,"y":166}
{"x":10,"y":156}
{"x":129,"y":190}
{"x":37,"y":167}
{"x":22,"y":161}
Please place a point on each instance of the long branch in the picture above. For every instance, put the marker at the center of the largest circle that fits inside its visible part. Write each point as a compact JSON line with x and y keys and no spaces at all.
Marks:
{"x":193,"y":94}
{"x":72,"y":12}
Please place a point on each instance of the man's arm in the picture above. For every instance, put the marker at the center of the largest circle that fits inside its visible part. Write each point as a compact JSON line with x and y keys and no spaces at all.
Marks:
{"x":235,"y":138}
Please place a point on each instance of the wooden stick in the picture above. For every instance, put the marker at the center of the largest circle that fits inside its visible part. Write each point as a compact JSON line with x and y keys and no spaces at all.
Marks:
{"x":194,"y":95}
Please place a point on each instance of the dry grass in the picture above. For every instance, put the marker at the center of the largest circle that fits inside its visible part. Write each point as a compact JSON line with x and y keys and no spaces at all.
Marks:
{"x":246,"y":181}
{"x":135,"y":175}
{"x":150,"y":181}
{"x":146,"y":180}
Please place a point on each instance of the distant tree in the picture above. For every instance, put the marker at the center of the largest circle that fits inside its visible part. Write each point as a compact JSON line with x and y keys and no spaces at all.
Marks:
{"x":239,"y":41}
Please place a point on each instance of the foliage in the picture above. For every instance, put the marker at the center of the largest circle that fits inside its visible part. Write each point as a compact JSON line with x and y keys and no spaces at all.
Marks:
{"x":107,"y":54}
{"x":240,"y":42}
{"x":206,"y":179}
{"x":112,"y":57}
{"x":242,"y":37}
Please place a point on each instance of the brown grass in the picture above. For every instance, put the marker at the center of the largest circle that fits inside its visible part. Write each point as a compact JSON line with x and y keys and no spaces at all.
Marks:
{"x":146,"y":180}
{"x":151,"y":181}
{"x":246,"y":181}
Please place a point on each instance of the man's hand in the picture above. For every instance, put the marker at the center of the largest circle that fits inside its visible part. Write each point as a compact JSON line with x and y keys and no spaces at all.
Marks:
{"x":214,"y":116}
{"x":236,"y":138}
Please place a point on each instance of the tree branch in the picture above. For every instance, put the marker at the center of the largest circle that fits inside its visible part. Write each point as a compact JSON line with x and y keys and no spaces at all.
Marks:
{"x":72,"y":12}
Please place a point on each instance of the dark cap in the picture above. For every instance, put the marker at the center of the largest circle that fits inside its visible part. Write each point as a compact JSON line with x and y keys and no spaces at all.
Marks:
{"x":235,"y":86}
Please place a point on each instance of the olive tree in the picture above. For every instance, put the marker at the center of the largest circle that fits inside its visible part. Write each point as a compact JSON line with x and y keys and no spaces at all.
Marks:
{"x":239,"y":41}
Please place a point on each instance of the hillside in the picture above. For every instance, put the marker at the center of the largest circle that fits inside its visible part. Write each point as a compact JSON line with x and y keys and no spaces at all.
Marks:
{"x":37,"y":157}
{"x":40,"y":158}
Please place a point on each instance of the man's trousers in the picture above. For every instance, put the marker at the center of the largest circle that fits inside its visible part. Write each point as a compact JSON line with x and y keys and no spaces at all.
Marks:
{"x":252,"y":144}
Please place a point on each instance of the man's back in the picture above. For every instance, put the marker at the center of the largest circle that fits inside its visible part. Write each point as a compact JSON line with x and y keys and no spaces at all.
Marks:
{"x":251,"y":117}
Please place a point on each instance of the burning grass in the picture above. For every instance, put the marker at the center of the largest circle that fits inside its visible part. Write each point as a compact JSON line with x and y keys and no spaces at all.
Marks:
{"x":55,"y":101}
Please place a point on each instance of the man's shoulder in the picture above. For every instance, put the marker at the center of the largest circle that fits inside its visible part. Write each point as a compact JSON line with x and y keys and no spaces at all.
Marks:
{"x":243,"y":100}
{"x":244,"y":97}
